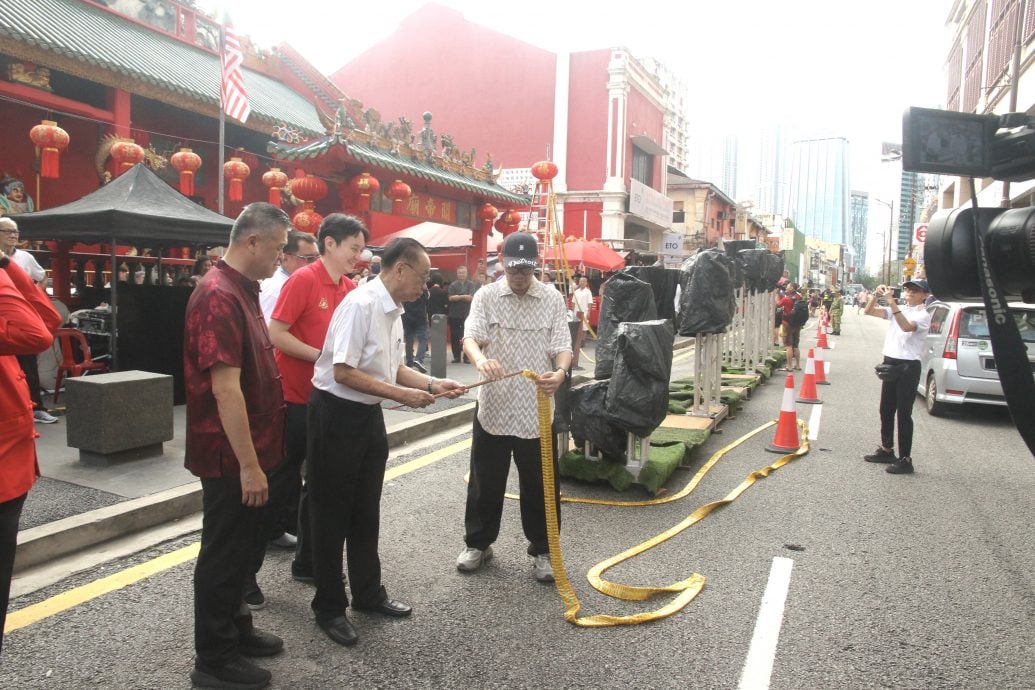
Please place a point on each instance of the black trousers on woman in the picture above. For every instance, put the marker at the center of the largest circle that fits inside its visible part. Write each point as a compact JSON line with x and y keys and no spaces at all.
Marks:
{"x":10,"y":512}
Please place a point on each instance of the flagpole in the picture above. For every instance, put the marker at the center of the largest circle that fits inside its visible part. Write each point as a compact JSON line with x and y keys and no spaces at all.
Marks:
{"x":222,"y":110}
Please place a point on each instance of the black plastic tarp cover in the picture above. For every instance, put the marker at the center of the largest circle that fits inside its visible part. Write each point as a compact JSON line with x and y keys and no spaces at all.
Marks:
{"x":774,"y":270}
{"x":663,"y":281}
{"x":707,"y":303}
{"x":626,"y":298}
{"x":637,"y":399}
{"x":589,"y":421}
{"x":754,"y":262}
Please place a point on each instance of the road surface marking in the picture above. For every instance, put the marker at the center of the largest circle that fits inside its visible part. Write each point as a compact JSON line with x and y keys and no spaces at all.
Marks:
{"x":79,"y":595}
{"x":758,"y":668}
{"x":814,"y":417}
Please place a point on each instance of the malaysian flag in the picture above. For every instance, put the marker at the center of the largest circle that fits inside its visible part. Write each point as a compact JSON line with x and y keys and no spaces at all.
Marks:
{"x":235,"y":98}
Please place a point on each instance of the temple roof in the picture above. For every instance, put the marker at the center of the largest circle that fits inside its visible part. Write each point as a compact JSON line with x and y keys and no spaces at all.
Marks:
{"x":85,"y":40}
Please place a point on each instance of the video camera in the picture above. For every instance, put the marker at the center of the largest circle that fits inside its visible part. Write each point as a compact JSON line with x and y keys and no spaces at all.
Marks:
{"x":974,"y":253}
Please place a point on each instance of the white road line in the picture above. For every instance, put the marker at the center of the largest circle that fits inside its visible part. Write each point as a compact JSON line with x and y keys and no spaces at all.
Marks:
{"x":758,"y":668}
{"x":814,"y":417}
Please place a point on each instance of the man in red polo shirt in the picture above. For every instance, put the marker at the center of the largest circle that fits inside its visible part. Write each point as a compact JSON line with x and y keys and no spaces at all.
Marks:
{"x":235,"y":436}
{"x":298,"y":328}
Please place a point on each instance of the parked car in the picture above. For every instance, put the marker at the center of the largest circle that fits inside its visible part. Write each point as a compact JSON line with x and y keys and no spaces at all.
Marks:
{"x":957,"y":365}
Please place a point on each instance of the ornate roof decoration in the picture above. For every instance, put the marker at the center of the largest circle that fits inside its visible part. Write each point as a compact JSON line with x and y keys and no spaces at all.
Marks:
{"x":362,"y":134}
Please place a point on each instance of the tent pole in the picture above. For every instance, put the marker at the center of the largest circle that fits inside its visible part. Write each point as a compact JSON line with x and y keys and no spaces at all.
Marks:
{"x":114,"y":343}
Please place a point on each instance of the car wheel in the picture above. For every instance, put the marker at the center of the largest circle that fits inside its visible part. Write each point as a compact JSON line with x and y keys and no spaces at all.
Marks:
{"x":934,"y":408}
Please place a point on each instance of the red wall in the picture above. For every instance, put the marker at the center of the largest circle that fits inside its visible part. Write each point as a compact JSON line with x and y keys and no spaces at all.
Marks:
{"x":583,"y":219}
{"x":587,"y":120}
{"x":643,"y":117}
{"x":481,"y":86}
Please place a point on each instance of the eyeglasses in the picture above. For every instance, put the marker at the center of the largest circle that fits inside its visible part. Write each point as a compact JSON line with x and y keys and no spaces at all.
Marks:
{"x":519,"y":271}
{"x":9,"y":232}
{"x":424,"y":277}
{"x":308,"y":258}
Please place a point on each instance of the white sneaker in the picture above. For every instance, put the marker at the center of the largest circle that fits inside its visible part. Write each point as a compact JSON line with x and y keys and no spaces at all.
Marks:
{"x":44,"y":417}
{"x":541,"y":568}
{"x":285,"y":541}
{"x":470,"y":560}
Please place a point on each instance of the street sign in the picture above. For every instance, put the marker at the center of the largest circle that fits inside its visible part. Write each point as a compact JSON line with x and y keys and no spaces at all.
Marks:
{"x":672,"y":244}
{"x":920,"y":230}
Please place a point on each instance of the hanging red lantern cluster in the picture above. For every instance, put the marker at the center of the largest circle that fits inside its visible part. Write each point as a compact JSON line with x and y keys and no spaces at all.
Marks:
{"x":365,"y":186}
{"x":309,"y":189}
{"x":274,"y":179}
{"x":51,"y":140}
{"x":399,"y":192}
{"x":544,"y":171}
{"x":487,"y":213}
{"x":187,"y":163}
{"x":237,"y":171}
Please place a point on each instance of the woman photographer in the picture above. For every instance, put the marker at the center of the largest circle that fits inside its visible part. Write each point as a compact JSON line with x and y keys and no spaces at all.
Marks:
{"x":900,"y":371}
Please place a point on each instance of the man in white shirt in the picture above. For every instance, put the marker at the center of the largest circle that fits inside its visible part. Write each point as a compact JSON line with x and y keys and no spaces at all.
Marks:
{"x":515,"y":324}
{"x":903,"y":343}
{"x":360,"y":365}
{"x":29,"y":364}
{"x":582,"y":301}
{"x":301,"y":250}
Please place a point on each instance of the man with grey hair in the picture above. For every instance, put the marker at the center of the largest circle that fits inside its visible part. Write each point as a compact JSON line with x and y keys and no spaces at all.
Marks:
{"x":29,"y":363}
{"x":235,"y":437}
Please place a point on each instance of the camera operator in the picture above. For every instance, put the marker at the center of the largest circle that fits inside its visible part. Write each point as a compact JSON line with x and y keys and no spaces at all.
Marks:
{"x":910,"y":322}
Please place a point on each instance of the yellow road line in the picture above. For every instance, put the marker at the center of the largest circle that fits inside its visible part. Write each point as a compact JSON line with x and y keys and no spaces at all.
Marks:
{"x":92,"y":590}
{"x":79,"y":595}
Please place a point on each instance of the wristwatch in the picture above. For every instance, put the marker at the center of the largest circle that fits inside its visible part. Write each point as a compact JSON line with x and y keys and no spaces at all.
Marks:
{"x":566,"y":372}
{"x":431,"y":382}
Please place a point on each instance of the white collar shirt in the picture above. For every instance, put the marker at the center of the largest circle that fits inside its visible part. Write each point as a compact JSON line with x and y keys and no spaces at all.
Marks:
{"x":900,"y":344}
{"x":521,"y":332}
{"x":583,"y":299}
{"x":366,"y":333}
{"x":27,"y":262}
{"x":269,"y":290}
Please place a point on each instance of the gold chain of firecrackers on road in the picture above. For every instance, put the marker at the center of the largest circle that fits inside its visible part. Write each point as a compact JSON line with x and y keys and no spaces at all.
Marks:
{"x":685,"y":590}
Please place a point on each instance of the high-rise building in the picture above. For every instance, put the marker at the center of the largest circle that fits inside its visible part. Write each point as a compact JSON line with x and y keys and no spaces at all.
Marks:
{"x":858,"y":227}
{"x":818,"y":197}
{"x":677,"y":120}
{"x":712,"y":156}
{"x":911,"y":198}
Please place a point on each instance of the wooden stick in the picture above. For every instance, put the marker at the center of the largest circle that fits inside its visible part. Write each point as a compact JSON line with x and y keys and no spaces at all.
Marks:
{"x":473,"y":385}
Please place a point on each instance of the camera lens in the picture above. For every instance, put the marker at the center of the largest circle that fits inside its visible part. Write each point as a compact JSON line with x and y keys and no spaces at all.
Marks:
{"x":951,"y":258}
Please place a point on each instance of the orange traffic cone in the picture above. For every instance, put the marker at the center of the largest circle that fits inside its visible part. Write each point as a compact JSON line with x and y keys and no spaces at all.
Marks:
{"x":821,"y":368}
{"x":786,"y":439}
{"x":821,"y":342}
{"x":808,"y":393}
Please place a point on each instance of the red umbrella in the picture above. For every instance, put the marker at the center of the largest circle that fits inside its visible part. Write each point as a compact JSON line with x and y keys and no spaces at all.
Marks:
{"x":591,"y":253}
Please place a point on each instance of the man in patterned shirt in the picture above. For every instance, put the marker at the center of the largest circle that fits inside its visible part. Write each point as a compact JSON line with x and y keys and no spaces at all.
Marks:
{"x":515,"y":324}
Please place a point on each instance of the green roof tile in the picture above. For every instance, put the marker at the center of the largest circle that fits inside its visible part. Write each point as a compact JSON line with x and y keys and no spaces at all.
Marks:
{"x":84,"y":32}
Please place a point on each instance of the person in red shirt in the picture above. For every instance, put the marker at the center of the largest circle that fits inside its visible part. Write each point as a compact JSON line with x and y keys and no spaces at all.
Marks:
{"x":235,"y":436}
{"x":791,"y":335}
{"x":297,"y":328}
{"x":27,"y":323}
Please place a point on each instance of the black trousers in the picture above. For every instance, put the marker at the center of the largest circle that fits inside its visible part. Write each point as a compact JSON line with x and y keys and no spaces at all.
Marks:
{"x":31,"y":369}
{"x":896,"y":400}
{"x":490,"y":465}
{"x":456,"y":336}
{"x":286,"y":481}
{"x":232,"y":541}
{"x":345,"y":469}
{"x":10,"y":512}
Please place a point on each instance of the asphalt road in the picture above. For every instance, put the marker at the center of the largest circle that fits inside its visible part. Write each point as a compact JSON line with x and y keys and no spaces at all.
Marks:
{"x":922,"y":581}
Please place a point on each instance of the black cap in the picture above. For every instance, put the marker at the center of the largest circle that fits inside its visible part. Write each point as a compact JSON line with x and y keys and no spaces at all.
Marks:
{"x":918,"y":284}
{"x":519,"y":249}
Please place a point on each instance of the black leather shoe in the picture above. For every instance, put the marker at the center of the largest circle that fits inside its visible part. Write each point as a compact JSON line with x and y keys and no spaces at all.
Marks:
{"x":388,"y":607}
{"x":340,"y":630}
{"x":236,"y":673}
{"x":257,"y":642}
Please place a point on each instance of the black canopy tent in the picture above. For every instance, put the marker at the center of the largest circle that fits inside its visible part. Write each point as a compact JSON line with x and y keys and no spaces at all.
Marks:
{"x":136,"y":208}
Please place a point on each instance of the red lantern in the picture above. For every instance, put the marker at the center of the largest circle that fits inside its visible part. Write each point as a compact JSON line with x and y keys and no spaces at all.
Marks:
{"x":365,"y":186}
{"x":51,"y":140}
{"x":126,"y":154}
{"x":308,"y":188}
{"x":187,"y":162}
{"x":487,"y":212}
{"x":544,"y":170}
{"x":237,"y":171}
{"x":398,"y":192}
{"x":511,"y":220}
{"x":274,"y":178}
{"x":307,"y":220}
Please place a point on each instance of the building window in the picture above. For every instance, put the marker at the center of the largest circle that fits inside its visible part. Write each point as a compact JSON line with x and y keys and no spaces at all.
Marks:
{"x":642,"y":167}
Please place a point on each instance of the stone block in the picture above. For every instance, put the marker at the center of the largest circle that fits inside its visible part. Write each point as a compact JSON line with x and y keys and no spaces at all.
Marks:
{"x":119,"y":416}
